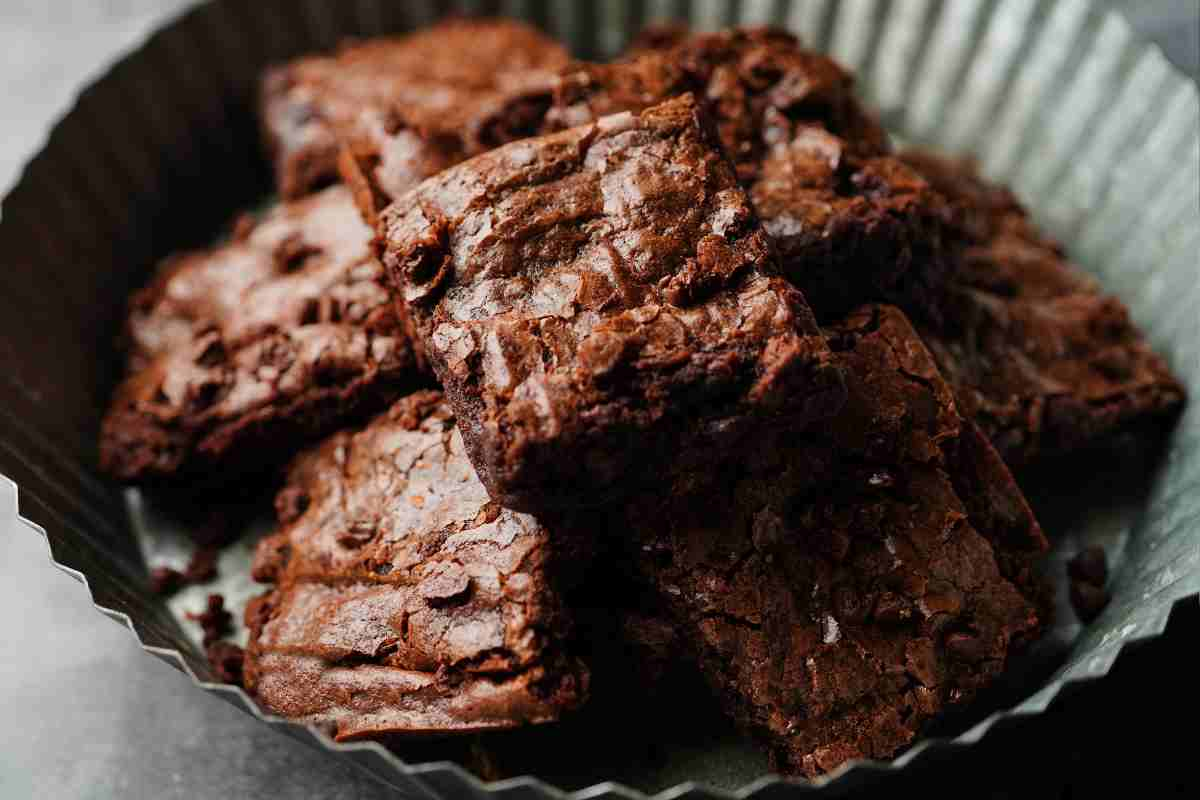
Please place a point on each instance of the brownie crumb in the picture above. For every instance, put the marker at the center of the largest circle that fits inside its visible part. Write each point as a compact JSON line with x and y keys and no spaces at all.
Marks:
{"x":1089,"y":565}
{"x":203,"y":565}
{"x":226,"y":660}
{"x":1088,"y":600}
{"x":165,"y":581}
{"x":215,"y":620}
{"x":202,"y":568}
{"x":1089,"y":572}
{"x":483,"y":761}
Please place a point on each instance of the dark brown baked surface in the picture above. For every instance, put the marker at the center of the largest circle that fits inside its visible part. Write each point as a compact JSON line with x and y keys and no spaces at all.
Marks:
{"x":411,"y":104}
{"x":760,"y":84}
{"x":594,"y":299}
{"x":1039,"y":355}
{"x":852,"y":222}
{"x":849,"y":228}
{"x":405,"y":601}
{"x":841,"y":588}
{"x":241,"y":354}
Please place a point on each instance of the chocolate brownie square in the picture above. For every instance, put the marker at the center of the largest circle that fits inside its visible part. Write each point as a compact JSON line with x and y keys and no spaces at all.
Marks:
{"x":240,"y":354}
{"x":595,"y":300}
{"x":413,"y":104}
{"x":852,"y":222}
{"x":405,"y":601}
{"x":841,"y":588}
{"x":1039,"y":355}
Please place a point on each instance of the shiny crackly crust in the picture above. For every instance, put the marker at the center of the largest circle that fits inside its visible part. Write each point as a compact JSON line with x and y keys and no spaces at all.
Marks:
{"x":852,"y":222}
{"x":405,"y":601}
{"x":447,"y":86}
{"x":240,"y":354}
{"x":594,"y":298}
{"x":841,"y":588}
{"x":1040,"y":357}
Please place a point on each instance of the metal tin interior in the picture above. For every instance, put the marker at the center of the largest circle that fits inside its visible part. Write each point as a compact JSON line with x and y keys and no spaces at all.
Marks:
{"x":1095,"y":130}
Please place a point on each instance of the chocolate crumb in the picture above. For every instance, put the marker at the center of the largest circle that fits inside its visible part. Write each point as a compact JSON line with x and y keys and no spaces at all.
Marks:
{"x":1088,"y":600}
{"x":226,"y":660}
{"x":215,"y":620}
{"x":1089,"y":565}
{"x":202,"y":567}
{"x":165,"y":581}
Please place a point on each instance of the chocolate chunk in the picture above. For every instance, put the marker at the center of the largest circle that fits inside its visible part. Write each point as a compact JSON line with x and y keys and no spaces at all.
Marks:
{"x":215,"y":620}
{"x":596,"y":300}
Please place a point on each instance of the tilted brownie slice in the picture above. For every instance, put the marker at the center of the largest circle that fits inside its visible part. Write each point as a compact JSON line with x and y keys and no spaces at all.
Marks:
{"x":413,"y":104}
{"x":240,"y":354}
{"x":405,"y":601}
{"x":841,"y":588}
{"x":595,"y":300}
{"x":1039,"y":356}
{"x":852,"y":222}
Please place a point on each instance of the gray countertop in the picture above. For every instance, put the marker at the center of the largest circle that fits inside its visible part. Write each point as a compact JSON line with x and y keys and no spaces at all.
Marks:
{"x":87,"y":714}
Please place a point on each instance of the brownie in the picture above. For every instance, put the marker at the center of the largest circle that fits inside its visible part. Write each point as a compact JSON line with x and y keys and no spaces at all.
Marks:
{"x":241,"y":353}
{"x":851,"y":229}
{"x":841,"y":588}
{"x":852,"y":222}
{"x":1039,"y":355}
{"x":596,"y":300}
{"x":405,"y":601}
{"x":413,"y":104}
{"x":760,"y":84}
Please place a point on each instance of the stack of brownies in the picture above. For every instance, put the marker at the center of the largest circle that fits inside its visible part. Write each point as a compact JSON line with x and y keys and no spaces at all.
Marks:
{"x":683,"y":319}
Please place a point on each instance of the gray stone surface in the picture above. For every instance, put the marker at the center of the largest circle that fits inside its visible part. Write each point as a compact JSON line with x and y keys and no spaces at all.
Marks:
{"x":85,"y":713}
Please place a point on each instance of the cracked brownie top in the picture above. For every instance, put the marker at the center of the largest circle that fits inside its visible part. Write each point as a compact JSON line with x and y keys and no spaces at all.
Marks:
{"x":852,"y":222}
{"x":242,"y":353}
{"x":592,"y":298}
{"x":405,"y":601}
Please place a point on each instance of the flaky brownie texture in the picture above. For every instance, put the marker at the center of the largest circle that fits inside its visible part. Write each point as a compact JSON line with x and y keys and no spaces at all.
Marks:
{"x":240,"y":354}
{"x":842,"y":588}
{"x":405,"y":601}
{"x":596,"y":299}
{"x":411,"y":104}
{"x":852,"y":222}
{"x":1039,"y":355}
